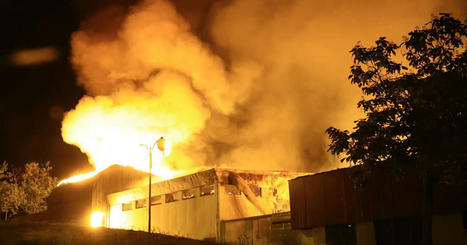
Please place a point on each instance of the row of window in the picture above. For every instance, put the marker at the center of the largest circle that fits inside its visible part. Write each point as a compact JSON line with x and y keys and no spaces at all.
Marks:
{"x":188,"y":194}
{"x":170,"y":197}
{"x":233,"y":190}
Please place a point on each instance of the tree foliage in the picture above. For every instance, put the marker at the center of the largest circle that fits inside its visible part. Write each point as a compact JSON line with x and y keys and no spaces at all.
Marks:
{"x":11,"y":195}
{"x":25,"y":191}
{"x":415,"y":97}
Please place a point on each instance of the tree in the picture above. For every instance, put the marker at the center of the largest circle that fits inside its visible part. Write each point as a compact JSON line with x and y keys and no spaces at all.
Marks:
{"x":415,"y":109}
{"x":25,"y":191}
{"x":37,"y":184}
{"x":11,"y":195}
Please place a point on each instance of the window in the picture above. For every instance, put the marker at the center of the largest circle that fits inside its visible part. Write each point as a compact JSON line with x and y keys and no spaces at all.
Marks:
{"x":141,"y":203}
{"x":207,"y":190}
{"x":172,"y":197}
{"x":156,"y":200}
{"x":256,"y":190}
{"x":127,"y":206}
{"x":187,"y":194}
{"x":232,"y":190}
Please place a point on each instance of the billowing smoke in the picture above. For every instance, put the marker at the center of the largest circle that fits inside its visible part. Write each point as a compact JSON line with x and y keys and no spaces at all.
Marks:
{"x":254,"y":88}
{"x":147,"y":77}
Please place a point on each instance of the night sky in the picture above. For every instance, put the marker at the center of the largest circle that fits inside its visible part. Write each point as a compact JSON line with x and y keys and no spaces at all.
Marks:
{"x":34,"y":97}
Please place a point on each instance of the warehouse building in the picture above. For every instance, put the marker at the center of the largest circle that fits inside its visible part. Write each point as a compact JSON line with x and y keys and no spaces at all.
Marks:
{"x":193,"y":206}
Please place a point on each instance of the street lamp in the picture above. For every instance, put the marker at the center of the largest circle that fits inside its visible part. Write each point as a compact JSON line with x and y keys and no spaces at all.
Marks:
{"x":160,"y":145}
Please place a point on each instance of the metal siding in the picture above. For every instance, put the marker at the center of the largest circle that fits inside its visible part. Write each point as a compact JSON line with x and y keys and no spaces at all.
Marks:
{"x":315,"y":201}
{"x":330,"y":198}
{"x":381,"y":195}
{"x":334,"y":197}
{"x":297,"y":203}
{"x":366,"y":206}
{"x":350,"y":198}
{"x":408,"y":196}
{"x":449,"y":199}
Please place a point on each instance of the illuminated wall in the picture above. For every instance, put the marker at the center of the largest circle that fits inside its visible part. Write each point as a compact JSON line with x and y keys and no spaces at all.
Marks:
{"x":193,"y":205}
{"x":194,"y":217}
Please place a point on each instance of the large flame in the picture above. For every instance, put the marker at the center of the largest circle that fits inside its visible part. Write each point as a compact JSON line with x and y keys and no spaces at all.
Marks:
{"x":114,"y":129}
{"x":149,"y":77}
{"x":78,"y":177}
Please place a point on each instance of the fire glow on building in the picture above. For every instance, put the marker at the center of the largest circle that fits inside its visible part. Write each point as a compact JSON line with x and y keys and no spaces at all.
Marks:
{"x":152,"y":78}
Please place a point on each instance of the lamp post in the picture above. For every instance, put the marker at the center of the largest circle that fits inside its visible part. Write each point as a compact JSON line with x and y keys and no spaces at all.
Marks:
{"x":160,"y":146}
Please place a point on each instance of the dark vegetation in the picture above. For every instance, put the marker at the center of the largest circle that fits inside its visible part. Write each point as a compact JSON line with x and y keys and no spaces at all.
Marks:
{"x":415,"y":106}
{"x":58,"y":234}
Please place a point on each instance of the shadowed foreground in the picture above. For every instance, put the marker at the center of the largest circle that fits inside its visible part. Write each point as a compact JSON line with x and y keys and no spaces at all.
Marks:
{"x":69,"y":234}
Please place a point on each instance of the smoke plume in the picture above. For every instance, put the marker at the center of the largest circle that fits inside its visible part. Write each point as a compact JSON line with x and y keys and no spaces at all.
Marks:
{"x":244,"y":84}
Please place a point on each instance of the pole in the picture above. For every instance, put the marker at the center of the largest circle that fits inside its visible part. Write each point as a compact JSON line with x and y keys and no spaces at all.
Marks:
{"x":160,"y":145}
{"x":149,"y":194}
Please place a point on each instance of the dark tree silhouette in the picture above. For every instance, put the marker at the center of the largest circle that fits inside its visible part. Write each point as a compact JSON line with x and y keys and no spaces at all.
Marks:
{"x":415,"y":107}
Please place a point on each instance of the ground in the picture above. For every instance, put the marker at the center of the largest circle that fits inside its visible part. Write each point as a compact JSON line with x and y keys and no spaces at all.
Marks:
{"x":57,"y":234}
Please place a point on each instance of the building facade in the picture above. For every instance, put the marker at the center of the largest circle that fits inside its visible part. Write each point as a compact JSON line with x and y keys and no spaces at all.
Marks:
{"x":190,"y":206}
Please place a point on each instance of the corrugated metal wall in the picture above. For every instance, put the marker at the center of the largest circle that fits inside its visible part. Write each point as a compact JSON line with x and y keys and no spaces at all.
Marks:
{"x":113,"y":179}
{"x":331,"y":198}
{"x":70,"y":203}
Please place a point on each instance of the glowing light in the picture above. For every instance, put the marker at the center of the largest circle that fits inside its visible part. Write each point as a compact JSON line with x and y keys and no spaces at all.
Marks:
{"x":97,"y":219}
{"x":78,"y":178}
{"x":36,"y":56}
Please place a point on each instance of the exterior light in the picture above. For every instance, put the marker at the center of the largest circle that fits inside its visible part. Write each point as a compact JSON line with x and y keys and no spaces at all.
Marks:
{"x":161,"y":146}
{"x":97,"y":219}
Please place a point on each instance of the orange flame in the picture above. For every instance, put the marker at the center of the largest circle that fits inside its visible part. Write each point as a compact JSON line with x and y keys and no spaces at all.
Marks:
{"x":140,"y":163}
{"x":154,"y":78}
{"x":111,"y":129}
{"x":78,"y":178}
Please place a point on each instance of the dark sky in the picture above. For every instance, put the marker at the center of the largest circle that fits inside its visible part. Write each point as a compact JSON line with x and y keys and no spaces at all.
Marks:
{"x":32,"y":97}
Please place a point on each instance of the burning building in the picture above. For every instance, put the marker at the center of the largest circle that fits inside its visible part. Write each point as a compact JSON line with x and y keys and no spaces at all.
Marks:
{"x":190,"y":206}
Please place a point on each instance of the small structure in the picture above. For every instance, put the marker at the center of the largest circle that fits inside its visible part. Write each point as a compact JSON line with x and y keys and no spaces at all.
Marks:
{"x":384,"y":211}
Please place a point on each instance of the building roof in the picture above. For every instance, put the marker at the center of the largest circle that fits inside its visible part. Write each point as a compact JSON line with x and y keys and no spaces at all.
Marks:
{"x":197,"y":179}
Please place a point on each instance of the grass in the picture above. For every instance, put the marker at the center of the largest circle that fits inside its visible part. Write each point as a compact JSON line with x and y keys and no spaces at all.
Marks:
{"x":58,"y":234}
